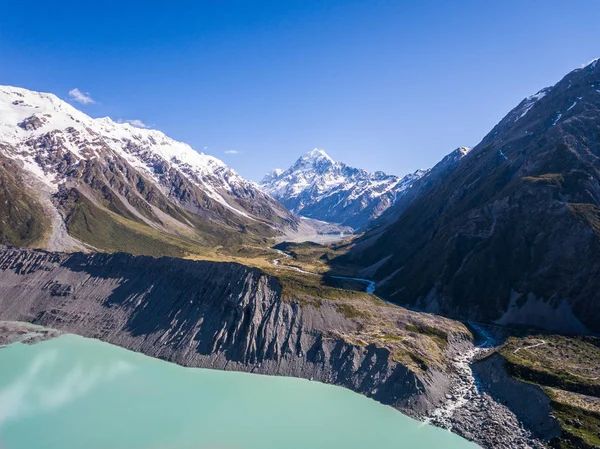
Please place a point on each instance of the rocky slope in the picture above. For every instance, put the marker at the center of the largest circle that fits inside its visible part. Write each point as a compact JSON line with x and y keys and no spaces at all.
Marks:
{"x":566,"y":369}
{"x":218,"y":315}
{"x":206,"y":314}
{"x":228,"y":316}
{"x":72,"y":181}
{"x":511,"y":233}
{"x":317,"y":187}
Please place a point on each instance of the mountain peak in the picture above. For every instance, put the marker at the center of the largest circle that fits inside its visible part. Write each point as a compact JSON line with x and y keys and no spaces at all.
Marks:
{"x":317,"y":154}
{"x":52,"y":142}
{"x":317,"y":187}
{"x":272,"y":175}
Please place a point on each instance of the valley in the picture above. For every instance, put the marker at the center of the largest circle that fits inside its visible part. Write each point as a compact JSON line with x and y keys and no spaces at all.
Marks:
{"x":463,"y":295}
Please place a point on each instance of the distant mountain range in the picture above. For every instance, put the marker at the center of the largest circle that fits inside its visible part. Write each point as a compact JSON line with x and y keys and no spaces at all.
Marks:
{"x":510,"y":231}
{"x":70,"y":181}
{"x":317,"y":187}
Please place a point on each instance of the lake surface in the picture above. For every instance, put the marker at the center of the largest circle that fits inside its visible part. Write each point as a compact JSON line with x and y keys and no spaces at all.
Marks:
{"x":77,"y":393}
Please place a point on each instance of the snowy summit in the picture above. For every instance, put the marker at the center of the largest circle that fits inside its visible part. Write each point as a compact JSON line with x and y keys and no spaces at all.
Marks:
{"x":317,"y":187}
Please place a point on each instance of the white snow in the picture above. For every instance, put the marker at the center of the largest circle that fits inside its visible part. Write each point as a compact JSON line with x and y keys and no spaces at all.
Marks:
{"x":317,"y":154}
{"x":315,"y":178}
{"x":592,"y":63}
{"x":538,"y":95}
{"x":530,"y":101}
{"x":141,"y":147}
{"x":557,"y":119}
{"x":572,"y":106}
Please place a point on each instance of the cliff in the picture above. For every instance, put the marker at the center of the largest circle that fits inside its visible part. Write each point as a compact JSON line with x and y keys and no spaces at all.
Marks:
{"x":203,"y":314}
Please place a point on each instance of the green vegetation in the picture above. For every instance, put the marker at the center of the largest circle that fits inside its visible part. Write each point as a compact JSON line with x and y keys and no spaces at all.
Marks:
{"x":388,"y":337}
{"x":567,"y":363}
{"x":568,"y":370}
{"x":580,"y":427}
{"x":316,"y":257}
{"x":109,"y":231}
{"x":23,"y":221}
{"x":416,"y":340}
{"x":349,"y":311}
{"x":296,"y":285}
{"x":410,"y":359}
{"x":435,"y":333}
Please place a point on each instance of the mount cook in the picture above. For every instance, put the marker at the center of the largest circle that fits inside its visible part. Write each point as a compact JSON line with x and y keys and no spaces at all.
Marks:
{"x":317,"y":187}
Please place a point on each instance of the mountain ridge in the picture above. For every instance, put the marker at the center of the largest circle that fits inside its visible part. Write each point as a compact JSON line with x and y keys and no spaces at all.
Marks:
{"x":82,"y":171}
{"x":317,"y":187}
{"x":511,"y":233}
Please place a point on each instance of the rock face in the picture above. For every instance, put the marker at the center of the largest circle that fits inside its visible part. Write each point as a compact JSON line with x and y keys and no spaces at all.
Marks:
{"x":527,"y":401}
{"x":93,"y":176}
{"x":511,"y":232}
{"x":317,"y":187}
{"x":202,"y":314}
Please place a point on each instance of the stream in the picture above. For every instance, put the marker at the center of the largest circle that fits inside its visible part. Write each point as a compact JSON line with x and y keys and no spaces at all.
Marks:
{"x":466,"y":409}
{"x":465,"y":387}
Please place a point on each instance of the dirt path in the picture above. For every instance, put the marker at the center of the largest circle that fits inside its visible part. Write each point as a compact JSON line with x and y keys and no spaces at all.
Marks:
{"x":541,"y":342}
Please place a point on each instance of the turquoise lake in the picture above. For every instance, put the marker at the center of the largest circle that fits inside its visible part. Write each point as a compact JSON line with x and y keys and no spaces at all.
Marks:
{"x":77,"y":393}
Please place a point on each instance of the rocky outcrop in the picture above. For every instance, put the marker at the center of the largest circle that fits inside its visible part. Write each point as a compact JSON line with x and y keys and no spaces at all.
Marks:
{"x":202,"y":314}
{"x":527,"y":401}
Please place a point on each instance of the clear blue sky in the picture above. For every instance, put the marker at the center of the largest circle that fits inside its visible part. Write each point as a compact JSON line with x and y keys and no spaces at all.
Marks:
{"x":389,"y":85}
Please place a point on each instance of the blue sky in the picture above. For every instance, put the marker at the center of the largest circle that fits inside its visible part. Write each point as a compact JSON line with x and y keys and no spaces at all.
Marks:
{"x":383,"y":85}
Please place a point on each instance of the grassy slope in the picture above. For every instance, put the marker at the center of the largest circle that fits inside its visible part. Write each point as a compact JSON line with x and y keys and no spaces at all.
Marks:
{"x":111,"y":231}
{"x":568,"y":369}
{"x":23,"y":221}
{"x":315,"y":257}
{"x":413,"y":339}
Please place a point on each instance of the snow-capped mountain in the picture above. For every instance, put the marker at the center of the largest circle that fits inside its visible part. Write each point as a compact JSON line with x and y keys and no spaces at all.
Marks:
{"x":316,"y":186}
{"x":74,"y":169}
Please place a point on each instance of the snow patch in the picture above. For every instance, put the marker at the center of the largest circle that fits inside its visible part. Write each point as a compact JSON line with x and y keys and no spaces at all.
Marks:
{"x":592,"y":64}
{"x":530,"y":102}
{"x":557,"y":119}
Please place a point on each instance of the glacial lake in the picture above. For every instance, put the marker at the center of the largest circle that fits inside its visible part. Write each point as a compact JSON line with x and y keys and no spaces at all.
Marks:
{"x":78,"y":393}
